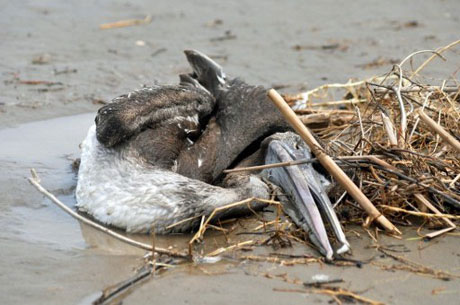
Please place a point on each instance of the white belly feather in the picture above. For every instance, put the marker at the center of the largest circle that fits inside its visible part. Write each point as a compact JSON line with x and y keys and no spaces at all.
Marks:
{"x":117,"y":189}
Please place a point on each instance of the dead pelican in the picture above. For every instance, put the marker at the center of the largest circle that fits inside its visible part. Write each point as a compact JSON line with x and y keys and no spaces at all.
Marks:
{"x":155,"y":156}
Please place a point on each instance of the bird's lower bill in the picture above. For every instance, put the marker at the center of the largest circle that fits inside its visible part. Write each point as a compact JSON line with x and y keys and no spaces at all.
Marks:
{"x":304,"y":195}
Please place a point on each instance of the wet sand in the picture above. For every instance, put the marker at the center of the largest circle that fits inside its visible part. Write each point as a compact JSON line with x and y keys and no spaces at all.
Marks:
{"x":47,"y":258}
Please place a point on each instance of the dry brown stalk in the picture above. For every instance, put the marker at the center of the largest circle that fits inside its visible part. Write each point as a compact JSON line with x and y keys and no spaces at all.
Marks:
{"x":452,"y":183}
{"x":125,"y":23}
{"x":439,"y":130}
{"x":321,"y":119}
{"x":439,"y":232}
{"x":264,"y":225}
{"x":438,"y":52}
{"x":182,"y":221}
{"x":323,"y":111}
{"x":341,"y":102}
{"x":232,"y":247}
{"x":306,"y":95}
{"x":403,"y":114}
{"x":281,"y":261}
{"x":413,"y":266}
{"x":340,"y":292}
{"x":415,"y":89}
{"x":389,"y":129}
{"x":204,"y":223}
{"x":396,"y":209}
{"x":374,"y":159}
{"x":335,"y":293}
{"x":423,"y":201}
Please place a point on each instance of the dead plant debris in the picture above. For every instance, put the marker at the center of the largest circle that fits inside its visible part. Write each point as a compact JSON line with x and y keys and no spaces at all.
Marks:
{"x":413,"y":127}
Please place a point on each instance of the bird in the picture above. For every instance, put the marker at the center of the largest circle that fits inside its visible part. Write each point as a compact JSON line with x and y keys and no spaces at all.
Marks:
{"x":155,"y":157}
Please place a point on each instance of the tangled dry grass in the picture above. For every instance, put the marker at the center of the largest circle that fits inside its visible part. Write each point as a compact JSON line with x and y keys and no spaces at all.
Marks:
{"x":407,"y":132}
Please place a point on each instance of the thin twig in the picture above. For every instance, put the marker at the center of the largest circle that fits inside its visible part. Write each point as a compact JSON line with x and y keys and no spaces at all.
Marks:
{"x":204,"y":223}
{"x":437,"y":53}
{"x":423,"y":201}
{"x":439,"y":130}
{"x":418,"y":119}
{"x":232,"y":247}
{"x":422,"y":214}
{"x":297,"y":162}
{"x":448,"y":198}
{"x":418,"y":268}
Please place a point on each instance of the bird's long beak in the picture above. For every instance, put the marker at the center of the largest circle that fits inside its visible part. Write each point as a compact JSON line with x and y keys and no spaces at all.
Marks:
{"x":306,"y":198}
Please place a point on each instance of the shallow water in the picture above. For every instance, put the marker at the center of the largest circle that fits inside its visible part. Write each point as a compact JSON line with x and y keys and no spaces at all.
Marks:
{"x":42,"y":248}
{"x":46,"y":257}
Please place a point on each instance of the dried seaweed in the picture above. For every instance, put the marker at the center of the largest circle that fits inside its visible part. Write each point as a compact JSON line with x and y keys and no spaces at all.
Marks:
{"x":413,"y":126}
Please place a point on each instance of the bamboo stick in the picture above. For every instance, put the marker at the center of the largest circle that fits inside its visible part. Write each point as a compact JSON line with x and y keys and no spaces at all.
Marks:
{"x":329,"y":164}
{"x":439,"y":130}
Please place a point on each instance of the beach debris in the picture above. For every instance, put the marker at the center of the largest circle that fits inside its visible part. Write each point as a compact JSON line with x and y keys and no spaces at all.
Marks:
{"x":411,"y":266}
{"x":339,"y":295}
{"x":208,"y":259}
{"x":158,"y":52}
{"x":214,"y":23}
{"x":342,"y":46}
{"x":38,"y":82}
{"x":435,"y":127}
{"x":228,"y":35}
{"x":41,"y":59}
{"x":205,"y":222}
{"x":140,"y":43}
{"x":379,"y":62}
{"x":126,"y":23}
{"x":320,"y":279}
{"x":66,"y":70}
{"x":397,"y":25}
{"x":114,"y":294}
{"x":415,"y":128}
